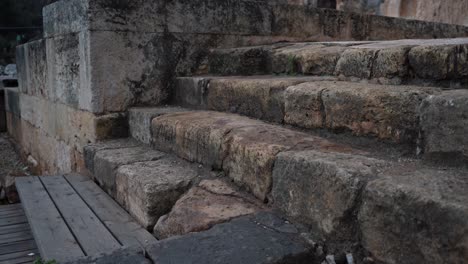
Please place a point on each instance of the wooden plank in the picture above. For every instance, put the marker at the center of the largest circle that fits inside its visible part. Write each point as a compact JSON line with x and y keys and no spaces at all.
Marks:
{"x":20,"y":254}
{"x":13,"y":220}
{"x":10,"y":207}
{"x":27,"y":259}
{"x":15,"y":237}
{"x":17,"y":247}
{"x":13,"y":228}
{"x":89,"y":231}
{"x":54,"y":239}
{"x":119,"y":222}
{"x":12,"y":213}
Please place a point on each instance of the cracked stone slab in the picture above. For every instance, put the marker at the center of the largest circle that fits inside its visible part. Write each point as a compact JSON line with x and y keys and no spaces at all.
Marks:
{"x":260,"y":238}
{"x":211,"y":202}
{"x":149,"y":189}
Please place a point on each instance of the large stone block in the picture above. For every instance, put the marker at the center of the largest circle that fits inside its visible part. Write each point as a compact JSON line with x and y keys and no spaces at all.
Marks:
{"x":148,"y":190}
{"x":356,"y":63}
{"x":433,"y":62}
{"x":321,"y":189}
{"x":63,"y":68}
{"x":90,"y":150}
{"x":107,"y":161}
{"x":413,"y":214}
{"x":260,"y":98}
{"x":444,"y":125}
{"x":387,"y":112}
{"x":36,"y":63}
{"x":196,"y":136}
{"x":212,"y":202}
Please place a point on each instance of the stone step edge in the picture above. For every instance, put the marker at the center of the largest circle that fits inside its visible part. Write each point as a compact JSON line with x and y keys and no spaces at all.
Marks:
{"x":342,"y":177}
{"x":352,"y":61}
{"x":393,"y":113}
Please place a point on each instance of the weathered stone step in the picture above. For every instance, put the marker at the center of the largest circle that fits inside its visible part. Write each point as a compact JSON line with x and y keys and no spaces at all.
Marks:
{"x":150,"y":184}
{"x":336,"y":190}
{"x":433,"y":119}
{"x":436,"y":61}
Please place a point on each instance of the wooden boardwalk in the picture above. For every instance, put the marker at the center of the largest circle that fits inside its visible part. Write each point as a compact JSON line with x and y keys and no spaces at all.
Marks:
{"x":16,"y":240}
{"x":71,"y":218}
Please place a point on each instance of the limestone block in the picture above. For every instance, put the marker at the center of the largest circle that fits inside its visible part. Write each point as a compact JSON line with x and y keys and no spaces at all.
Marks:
{"x":64,"y":17}
{"x":21,"y":64}
{"x":387,"y":112}
{"x":148,"y":190}
{"x":63,"y":68}
{"x":433,"y":62}
{"x":196,"y":136}
{"x":320,"y":189}
{"x":140,"y":120}
{"x":90,"y":150}
{"x":420,"y":223}
{"x":258,"y":98}
{"x":241,"y":61}
{"x":12,"y":101}
{"x":191,"y":92}
{"x":212,"y":202}
{"x":303,"y":105}
{"x":444,"y":125}
{"x":107,"y":161}
{"x":36,"y":63}
{"x":391,"y":62}
{"x":356,"y":63}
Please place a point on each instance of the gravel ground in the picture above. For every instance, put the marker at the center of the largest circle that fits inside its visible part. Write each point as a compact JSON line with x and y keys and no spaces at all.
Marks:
{"x":10,"y":166}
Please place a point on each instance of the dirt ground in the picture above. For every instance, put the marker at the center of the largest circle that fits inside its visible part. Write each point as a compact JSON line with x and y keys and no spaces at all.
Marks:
{"x":10,"y":167}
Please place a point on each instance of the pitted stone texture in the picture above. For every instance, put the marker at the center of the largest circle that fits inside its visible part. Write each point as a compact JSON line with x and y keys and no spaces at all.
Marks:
{"x":261,"y":238}
{"x":149,"y":189}
{"x":356,"y":63}
{"x":241,"y":61}
{"x":321,"y":189}
{"x":309,"y":59}
{"x":212,"y":202}
{"x":91,"y":150}
{"x":387,"y":112}
{"x":254,"y":97}
{"x":444,"y":125}
{"x":413,"y":214}
{"x":107,"y":161}
{"x":32,"y":67}
{"x":140,"y":120}
{"x":429,"y":62}
{"x":196,"y":136}
{"x":243,"y":147}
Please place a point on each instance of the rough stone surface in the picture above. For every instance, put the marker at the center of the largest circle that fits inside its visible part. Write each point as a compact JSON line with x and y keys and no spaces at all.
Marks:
{"x":212,"y":202}
{"x":122,"y":256}
{"x":241,"y":61}
{"x":433,"y":62}
{"x":140,"y":121}
{"x":412,"y":214}
{"x":321,"y":189}
{"x":149,"y":189}
{"x":260,"y":98}
{"x":356,"y":63}
{"x":90,"y":150}
{"x":107,"y":161}
{"x":242,"y":147}
{"x":444,"y":125}
{"x":387,"y":112}
{"x":262,"y":238}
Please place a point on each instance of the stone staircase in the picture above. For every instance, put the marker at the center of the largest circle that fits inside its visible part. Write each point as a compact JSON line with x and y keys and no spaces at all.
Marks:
{"x":360,"y":144}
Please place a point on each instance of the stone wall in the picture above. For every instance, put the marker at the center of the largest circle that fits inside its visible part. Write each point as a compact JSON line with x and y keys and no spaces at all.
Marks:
{"x":100,"y":57}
